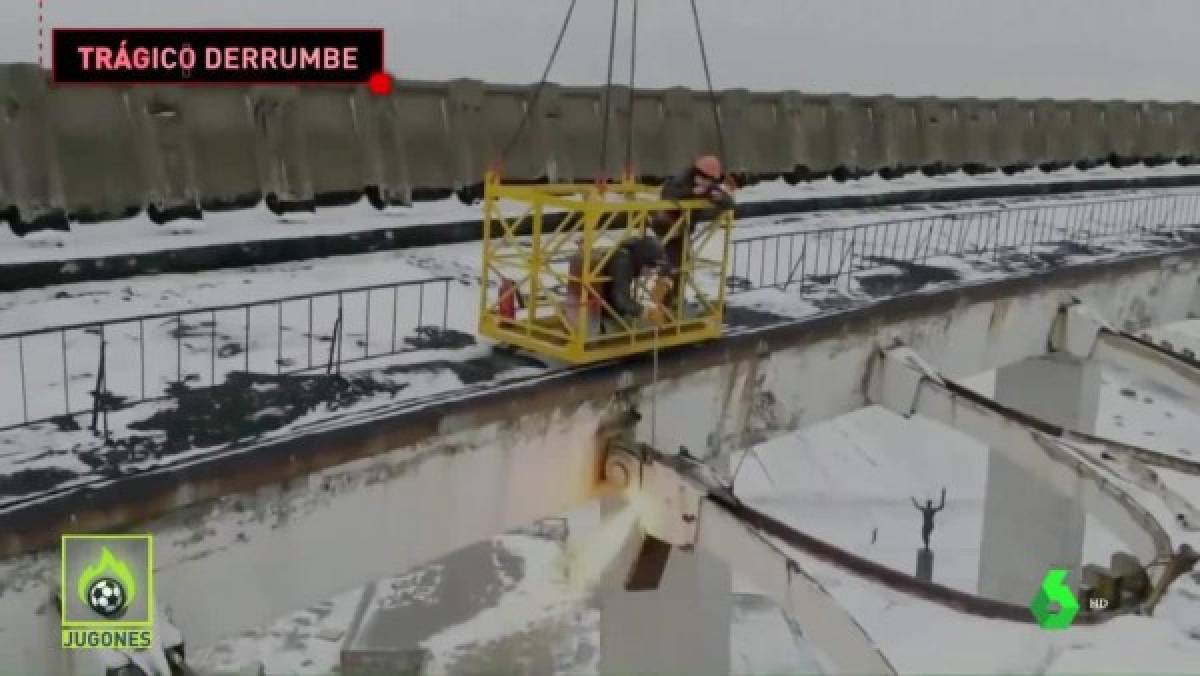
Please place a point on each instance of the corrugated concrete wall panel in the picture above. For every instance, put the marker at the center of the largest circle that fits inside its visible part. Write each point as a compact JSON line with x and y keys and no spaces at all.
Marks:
{"x":221,"y":127}
{"x":906,"y":135}
{"x":767,"y":131}
{"x":581,"y":132}
{"x":817,"y":120}
{"x":1053,"y":123}
{"x":1121,"y":129}
{"x":28,"y":161}
{"x":880,"y":138}
{"x":740,"y":149}
{"x":619,"y":103}
{"x":164,"y":146}
{"x":386,"y":169}
{"x":1015,"y":125}
{"x":937,"y":128}
{"x":649,"y":141}
{"x":977,"y":125}
{"x":1156,"y":132}
{"x":470,"y":139}
{"x":1087,"y":128}
{"x":790,"y":129}
{"x":844,"y":129}
{"x":546,"y":131}
{"x":283,"y":157}
{"x":1189,"y":130}
{"x":422,"y":123}
{"x":97,"y":152}
{"x":329,"y":121}
{"x":509,"y":143}
{"x":1178,"y":116}
{"x":683,"y":113}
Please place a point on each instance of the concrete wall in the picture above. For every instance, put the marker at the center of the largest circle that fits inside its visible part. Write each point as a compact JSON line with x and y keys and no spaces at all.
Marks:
{"x":105,"y":152}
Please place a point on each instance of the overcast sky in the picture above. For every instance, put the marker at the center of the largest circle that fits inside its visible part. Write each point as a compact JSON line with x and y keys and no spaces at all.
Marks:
{"x":1136,"y":49}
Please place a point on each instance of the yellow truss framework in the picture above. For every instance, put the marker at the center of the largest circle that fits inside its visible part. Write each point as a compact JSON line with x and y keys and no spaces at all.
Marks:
{"x":545,"y":251}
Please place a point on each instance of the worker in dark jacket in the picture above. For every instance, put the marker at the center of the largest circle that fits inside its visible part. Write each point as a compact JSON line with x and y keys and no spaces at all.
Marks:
{"x":704,"y":179}
{"x":635,"y":257}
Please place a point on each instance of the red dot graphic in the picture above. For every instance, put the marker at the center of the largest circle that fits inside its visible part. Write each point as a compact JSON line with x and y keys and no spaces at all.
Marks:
{"x":380,"y":84}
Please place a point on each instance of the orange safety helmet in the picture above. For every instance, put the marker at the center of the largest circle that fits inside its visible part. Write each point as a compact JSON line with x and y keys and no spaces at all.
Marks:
{"x":709,"y":166}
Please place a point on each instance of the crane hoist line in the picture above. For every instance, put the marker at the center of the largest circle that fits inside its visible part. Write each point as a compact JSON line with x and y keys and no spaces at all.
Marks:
{"x":565,"y":291}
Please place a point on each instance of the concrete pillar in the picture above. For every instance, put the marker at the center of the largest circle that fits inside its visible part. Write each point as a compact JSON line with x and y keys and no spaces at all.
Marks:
{"x":683,"y":627}
{"x":1028,"y":527}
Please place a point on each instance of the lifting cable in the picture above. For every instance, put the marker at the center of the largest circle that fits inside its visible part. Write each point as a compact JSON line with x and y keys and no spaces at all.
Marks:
{"x":712,"y":95}
{"x":632,"y":71}
{"x":612,"y":45}
{"x":537,"y":92}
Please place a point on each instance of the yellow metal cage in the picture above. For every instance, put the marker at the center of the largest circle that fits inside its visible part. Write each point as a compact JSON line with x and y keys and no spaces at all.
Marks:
{"x":545,"y":252}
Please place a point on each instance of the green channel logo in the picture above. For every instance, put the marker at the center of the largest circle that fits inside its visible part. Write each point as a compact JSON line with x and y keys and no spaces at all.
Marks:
{"x":1054,"y":590}
{"x":106,"y":591}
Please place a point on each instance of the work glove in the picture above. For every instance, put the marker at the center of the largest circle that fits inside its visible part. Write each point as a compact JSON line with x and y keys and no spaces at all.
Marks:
{"x":662,"y":286}
{"x":654,"y":314}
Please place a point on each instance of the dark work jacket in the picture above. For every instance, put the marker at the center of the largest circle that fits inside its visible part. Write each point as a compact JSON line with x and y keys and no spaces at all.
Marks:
{"x":679,"y":187}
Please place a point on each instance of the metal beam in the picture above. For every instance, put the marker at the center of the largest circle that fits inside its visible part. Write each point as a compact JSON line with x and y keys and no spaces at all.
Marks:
{"x":1027,"y":442}
{"x":1083,"y":333}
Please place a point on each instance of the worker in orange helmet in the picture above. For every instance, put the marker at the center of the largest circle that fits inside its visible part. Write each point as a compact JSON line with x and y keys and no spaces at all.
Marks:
{"x":704,"y":179}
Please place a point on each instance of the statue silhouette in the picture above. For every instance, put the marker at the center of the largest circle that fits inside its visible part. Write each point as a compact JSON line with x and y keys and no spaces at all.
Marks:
{"x":927,"y":513}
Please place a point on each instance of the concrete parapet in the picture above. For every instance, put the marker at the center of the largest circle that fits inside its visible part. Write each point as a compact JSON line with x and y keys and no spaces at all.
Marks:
{"x":649,"y":142}
{"x":978,"y":127}
{"x":220,"y":125}
{"x":165,"y":150}
{"x":177,"y":151}
{"x":1056,"y":133}
{"x":938,"y":131}
{"x":506,"y":140}
{"x":581,"y":129}
{"x":1121,"y":130}
{"x":95,"y":142}
{"x":1015,"y":124}
{"x":470,"y":140}
{"x":420,"y":119}
{"x":1088,"y":126}
{"x":683,"y":119}
{"x":767,"y":128}
{"x":741,"y":152}
{"x":31,"y":193}
{"x":284,"y":167}
{"x":816,"y":122}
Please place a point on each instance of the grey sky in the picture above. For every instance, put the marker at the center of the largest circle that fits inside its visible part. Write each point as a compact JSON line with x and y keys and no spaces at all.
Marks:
{"x":1136,"y":49}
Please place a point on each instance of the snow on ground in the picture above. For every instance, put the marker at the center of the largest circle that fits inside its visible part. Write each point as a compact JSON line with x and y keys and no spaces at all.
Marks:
{"x":140,"y":235}
{"x":1138,"y":411}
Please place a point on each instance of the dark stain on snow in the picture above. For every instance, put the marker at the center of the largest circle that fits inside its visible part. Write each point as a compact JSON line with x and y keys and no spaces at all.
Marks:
{"x":245,"y":406}
{"x":28,"y":481}
{"x":442,"y":594}
{"x":750,"y":317}
{"x":910,"y":277}
{"x":471,"y":371}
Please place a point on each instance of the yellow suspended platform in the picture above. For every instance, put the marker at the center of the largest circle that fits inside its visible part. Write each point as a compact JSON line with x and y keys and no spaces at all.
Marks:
{"x":545,"y":252}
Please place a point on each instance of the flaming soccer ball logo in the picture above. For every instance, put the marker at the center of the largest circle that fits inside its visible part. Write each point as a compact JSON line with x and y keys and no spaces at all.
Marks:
{"x":107,"y":586}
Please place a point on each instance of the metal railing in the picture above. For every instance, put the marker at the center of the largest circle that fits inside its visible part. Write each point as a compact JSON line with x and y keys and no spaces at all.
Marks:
{"x":60,"y":372}
{"x":834,"y":255}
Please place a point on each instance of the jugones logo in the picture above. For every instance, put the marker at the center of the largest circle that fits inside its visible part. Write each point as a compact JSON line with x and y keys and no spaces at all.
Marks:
{"x":107,"y":591}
